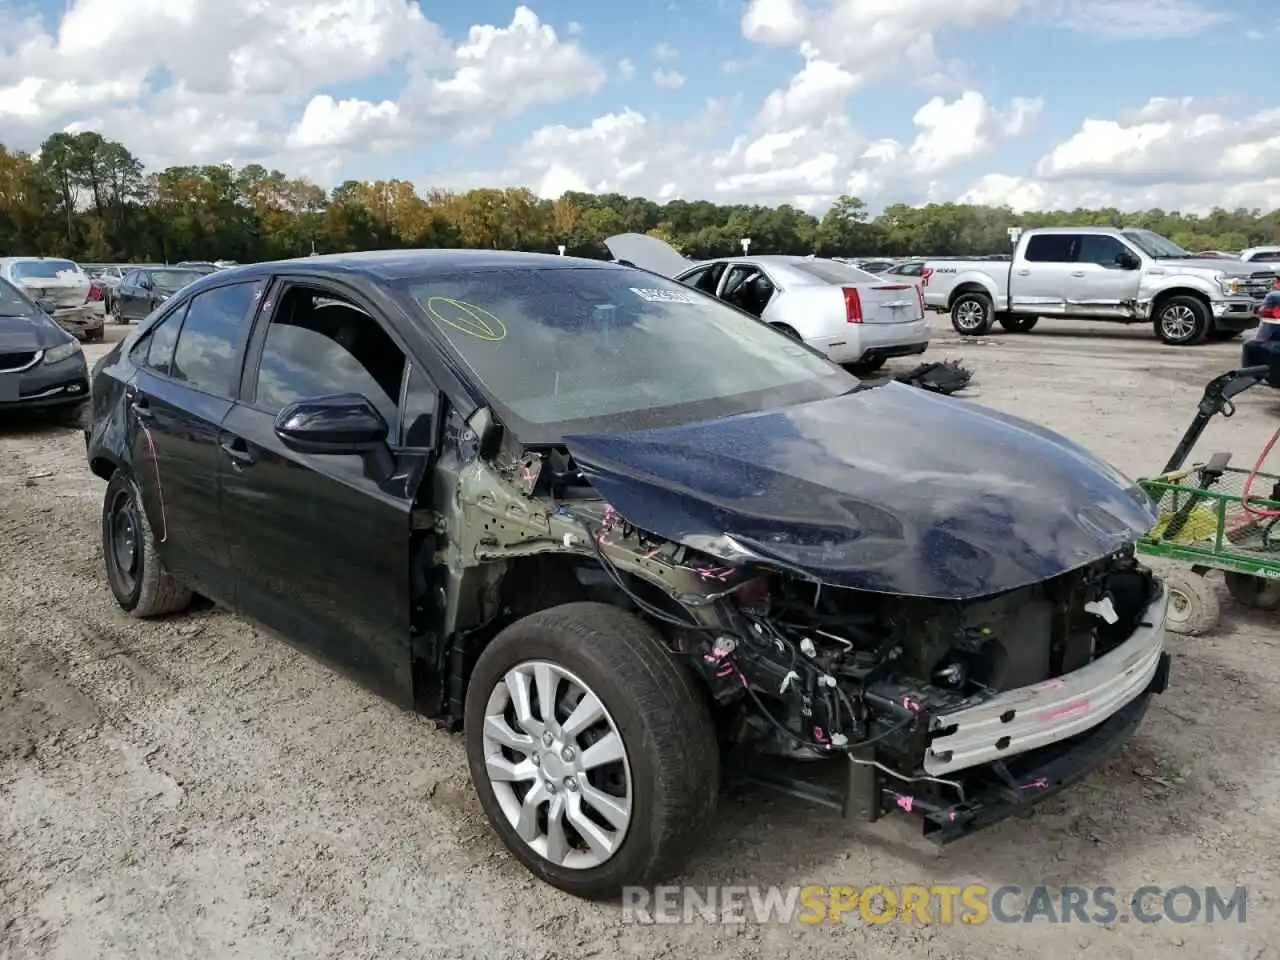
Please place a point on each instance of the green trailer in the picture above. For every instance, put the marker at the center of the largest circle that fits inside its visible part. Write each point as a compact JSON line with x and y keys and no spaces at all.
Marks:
{"x":1207,"y":523}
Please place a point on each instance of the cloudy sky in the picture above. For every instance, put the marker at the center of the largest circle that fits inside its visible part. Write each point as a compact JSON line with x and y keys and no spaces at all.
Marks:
{"x":1037,"y":103}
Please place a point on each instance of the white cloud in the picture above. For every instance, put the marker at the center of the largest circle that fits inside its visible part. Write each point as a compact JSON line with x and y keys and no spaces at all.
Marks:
{"x":245,"y":76}
{"x":668,"y":79}
{"x":1170,"y":153}
{"x":286,"y":83}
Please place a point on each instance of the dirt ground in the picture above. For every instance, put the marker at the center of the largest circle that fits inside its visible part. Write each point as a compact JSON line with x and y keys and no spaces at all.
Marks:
{"x":192,"y":788}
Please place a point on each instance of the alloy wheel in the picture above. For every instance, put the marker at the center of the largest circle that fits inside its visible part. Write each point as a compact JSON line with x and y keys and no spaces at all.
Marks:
{"x":1178,"y":322}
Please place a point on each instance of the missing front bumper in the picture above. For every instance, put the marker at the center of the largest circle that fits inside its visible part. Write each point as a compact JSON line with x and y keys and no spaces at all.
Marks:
{"x":861,"y":792}
{"x":1026,"y":719}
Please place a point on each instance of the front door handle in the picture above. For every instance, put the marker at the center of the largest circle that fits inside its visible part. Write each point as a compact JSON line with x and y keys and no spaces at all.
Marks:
{"x":1077,"y":273}
{"x":1024,"y":273}
{"x":237,"y":451}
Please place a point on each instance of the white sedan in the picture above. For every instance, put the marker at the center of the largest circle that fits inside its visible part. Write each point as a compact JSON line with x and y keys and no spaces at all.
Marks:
{"x":854,"y":317}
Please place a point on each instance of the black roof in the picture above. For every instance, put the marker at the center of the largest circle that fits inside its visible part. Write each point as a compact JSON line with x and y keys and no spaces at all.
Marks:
{"x":404,"y":264}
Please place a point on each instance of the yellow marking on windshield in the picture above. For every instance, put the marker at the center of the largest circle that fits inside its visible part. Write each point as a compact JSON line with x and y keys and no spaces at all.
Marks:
{"x":472,"y":320}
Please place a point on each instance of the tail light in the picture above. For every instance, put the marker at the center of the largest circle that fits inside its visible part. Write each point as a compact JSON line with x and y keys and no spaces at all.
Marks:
{"x":852,"y":305}
{"x":1270,"y":312}
{"x":920,"y":297}
{"x":95,"y":293}
{"x":925,"y":274}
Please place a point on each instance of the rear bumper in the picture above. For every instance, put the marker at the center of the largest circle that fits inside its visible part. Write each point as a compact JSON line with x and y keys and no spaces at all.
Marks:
{"x":79,"y":321}
{"x":860,"y":342}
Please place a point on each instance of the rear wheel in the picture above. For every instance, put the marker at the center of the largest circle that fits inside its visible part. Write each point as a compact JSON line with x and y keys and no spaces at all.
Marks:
{"x":135,"y":573}
{"x":1182,"y":321}
{"x":591,"y":749}
{"x":1018,"y":324}
{"x":1257,"y":592}
{"x":972,"y":314}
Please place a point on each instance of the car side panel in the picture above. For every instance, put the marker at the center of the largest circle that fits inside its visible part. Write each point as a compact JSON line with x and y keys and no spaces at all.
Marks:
{"x":322,"y":553}
{"x":171,"y":433}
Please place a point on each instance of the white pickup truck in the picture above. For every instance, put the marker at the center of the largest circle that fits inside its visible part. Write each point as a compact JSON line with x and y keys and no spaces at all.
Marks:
{"x":1100,"y":273}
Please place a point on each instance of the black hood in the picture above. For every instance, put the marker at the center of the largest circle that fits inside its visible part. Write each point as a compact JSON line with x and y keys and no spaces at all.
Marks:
{"x":35,"y":332}
{"x":889,"y":489}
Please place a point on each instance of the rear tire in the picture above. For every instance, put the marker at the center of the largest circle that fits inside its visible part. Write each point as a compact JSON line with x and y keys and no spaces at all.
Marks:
{"x":667,"y":764}
{"x":1259,"y":593}
{"x":1193,"y":603}
{"x":972,"y":314}
{"x":1182,"y":321}
{"x":137,"y":577}
{"x":1018,"y":324}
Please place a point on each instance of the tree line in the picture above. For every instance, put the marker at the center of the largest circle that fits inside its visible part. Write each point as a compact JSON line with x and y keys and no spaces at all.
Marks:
{"x":85,"y":196}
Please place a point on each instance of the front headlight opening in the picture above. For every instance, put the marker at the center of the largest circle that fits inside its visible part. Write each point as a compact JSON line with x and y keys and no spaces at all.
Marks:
{"x":64,"y":351}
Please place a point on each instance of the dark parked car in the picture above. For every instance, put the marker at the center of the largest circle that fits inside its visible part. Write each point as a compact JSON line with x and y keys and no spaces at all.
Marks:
{"x":615,"y":530}
{"x":41,"y":365}
{"x":144,"y":289}
{"x":1263,"y":349}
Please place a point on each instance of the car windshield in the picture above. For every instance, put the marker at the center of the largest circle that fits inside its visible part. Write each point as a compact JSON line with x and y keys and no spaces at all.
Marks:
{"x":174,"y":279}
{"x":13,"y":303}
{"x":831,"y":271}
{"x":51,"y":269}
{"x":1154,"y":245}
{"x":568,"y":350}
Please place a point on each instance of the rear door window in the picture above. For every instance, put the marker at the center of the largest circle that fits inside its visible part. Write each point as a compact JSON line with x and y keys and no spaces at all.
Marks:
{"x":1051,"y":248}
{"x":207,"y":347}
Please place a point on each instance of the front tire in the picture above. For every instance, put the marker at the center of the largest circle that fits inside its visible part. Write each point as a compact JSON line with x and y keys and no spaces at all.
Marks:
{"x":612,"y":785}
{"x":1018,"y":324}
{"x":137,"y":577}
{"x":1182,"y":321}
{"x":972,"y":314}
{"x":1193,"y":603}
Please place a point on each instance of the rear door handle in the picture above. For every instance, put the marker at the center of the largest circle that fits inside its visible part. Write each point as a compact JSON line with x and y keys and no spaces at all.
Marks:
{"x":140,"y":406}
{"x":1077,"y":273}
{"x":1024,"y":273}
{"x":237,"y":451}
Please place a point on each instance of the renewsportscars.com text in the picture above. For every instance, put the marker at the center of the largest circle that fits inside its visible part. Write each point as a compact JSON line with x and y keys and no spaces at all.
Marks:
{"x":935,"y":903}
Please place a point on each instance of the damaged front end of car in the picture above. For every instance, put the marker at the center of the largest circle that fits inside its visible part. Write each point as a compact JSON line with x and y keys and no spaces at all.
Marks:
{"x":867,"y":673}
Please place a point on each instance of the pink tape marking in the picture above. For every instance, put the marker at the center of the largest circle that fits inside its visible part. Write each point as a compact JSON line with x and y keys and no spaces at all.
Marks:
{"x":819,"y":735}
{"x":910,"y":703}
{"x":906,"y":803}
{"x":1039,"y":783}
{"x":155,"y":465}
{"x":1063,"y":711}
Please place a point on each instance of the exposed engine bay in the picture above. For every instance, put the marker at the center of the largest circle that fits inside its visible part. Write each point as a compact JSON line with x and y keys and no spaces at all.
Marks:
{"x":802,"y":671}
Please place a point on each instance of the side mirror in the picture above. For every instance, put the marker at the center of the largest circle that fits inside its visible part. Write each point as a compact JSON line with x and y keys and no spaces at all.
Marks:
{"x":1127,"y":261}
{"x":344,"y":423}
{"x":47,"y":305}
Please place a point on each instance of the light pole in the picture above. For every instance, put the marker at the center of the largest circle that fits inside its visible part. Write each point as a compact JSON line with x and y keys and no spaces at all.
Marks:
{"x":746,"y":245}
{"x":561,"y":248}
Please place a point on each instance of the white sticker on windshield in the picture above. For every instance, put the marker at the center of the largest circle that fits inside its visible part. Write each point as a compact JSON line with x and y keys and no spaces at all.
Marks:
{"x":653,"y":295}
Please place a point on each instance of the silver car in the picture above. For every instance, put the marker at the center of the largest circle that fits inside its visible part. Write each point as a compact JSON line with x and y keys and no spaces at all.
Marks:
{"x":62,"y":289}
{"x":852,"y":316}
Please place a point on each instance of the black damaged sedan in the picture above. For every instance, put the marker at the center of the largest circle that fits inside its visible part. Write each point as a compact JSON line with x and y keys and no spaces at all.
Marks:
{"x":42,"y":366}
{"x":628,"y":539}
